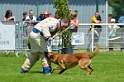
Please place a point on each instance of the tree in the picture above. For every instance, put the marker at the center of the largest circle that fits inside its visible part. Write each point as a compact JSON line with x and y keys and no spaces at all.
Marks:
{"x":118,"y":8}
{"x":62,"y":9}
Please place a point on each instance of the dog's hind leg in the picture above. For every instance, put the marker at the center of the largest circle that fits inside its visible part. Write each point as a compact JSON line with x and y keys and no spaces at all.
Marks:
{"x":85,"y":64}
{"x":62,"y":71}
{"x":90,"y":67}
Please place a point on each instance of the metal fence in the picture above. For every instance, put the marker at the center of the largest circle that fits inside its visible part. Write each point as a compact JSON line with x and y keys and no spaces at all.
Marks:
{"x":80,"y":43}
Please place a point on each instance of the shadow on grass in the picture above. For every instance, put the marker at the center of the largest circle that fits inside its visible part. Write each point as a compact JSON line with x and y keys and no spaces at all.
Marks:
{"x":36,"y":72}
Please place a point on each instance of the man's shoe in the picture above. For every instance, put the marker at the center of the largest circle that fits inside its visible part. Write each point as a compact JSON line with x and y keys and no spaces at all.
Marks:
{"x":122,"y":49}
{"x":23,"y":70}
{"x":47,"y":70}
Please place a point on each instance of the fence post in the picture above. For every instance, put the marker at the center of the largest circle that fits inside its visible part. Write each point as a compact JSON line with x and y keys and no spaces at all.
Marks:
{"x":92,"y":28}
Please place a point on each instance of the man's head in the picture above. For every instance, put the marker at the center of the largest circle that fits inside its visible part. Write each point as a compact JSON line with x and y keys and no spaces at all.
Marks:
{"x":42,"y":14}
{"x":96,"y":14}
{"x":31,"y":13}
{"x":64,"y":22}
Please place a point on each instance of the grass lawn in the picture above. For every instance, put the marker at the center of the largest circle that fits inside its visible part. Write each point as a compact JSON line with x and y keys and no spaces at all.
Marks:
{"x":108,"y":67}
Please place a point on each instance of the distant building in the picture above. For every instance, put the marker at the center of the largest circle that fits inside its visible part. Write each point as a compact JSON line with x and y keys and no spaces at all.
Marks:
{"x":86,"y":8}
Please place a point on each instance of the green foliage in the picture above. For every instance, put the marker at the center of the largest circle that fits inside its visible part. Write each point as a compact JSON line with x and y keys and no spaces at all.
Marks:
{"x":62,"y":8}
{"x":63,"y":12}
{"x":118,"y":8}
{"x":108,"y":67}
{"x":116,"y":1}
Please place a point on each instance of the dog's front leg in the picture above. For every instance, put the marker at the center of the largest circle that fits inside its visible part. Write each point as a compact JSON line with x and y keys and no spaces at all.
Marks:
{"x":61,"y":64}
{"x":56,"y":68}
{"x":62,"y":71}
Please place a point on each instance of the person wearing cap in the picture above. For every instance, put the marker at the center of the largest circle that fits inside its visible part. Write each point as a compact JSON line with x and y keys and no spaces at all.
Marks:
{"x":39,"y":39}
{"x":41,"y":17}
{"x":47,"y":14}
{"x":112,"y":33}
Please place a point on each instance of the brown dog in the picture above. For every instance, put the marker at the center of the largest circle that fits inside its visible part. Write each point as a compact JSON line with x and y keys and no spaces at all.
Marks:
{"x":66,"y":61}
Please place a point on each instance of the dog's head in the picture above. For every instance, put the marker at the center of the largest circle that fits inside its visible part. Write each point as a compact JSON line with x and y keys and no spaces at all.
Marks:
{"x":52,"y":56}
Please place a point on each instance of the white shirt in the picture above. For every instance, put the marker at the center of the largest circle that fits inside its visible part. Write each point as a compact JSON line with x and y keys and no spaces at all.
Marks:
{"x":113,"y":30}
{"x":33,"y":19}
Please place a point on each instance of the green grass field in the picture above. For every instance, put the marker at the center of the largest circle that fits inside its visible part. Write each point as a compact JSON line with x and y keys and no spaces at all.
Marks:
{"x":108,"y":67}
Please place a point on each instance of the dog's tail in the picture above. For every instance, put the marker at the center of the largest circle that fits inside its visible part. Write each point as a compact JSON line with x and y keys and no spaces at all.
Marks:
{"x":95,"y":52}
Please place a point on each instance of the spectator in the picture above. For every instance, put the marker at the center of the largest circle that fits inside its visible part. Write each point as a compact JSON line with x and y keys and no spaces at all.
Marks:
{"x":112,"y":32}
{"x":121,"y":20}
{"x":24,"y":16}
{"x":56,"y":15}
{"x":97,"y":30}
{"x":76,"y":11}
{"x":74,"y":21}
{"x":31,"y":16}
{"x":47,"y":14}
{"x":9,"y":16}
{"x":40,"y":35}
{"x":41,"y":17}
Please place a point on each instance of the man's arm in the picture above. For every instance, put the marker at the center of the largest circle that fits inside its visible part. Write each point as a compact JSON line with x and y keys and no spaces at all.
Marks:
{"x":94,"y":20}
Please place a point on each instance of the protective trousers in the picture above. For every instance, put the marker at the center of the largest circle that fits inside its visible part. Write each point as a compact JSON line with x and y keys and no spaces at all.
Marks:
{"x":38,"y":50}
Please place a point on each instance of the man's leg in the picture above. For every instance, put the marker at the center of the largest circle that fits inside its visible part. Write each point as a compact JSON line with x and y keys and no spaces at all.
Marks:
{"x":96,"y":36}
{"x":46,"y":63}
{"x":29,"y":62}
{"x":111,"y":44}
{"x":89,"y":41}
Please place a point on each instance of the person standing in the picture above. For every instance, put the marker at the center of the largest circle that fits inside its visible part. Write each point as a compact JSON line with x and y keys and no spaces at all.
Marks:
{"x":121,"y":20}
{"x":112,"y":33}
{"x":9,"y":17}
{"x":39,"y":39}
{"x":97,"y":30}
{"x":74,"y":21}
